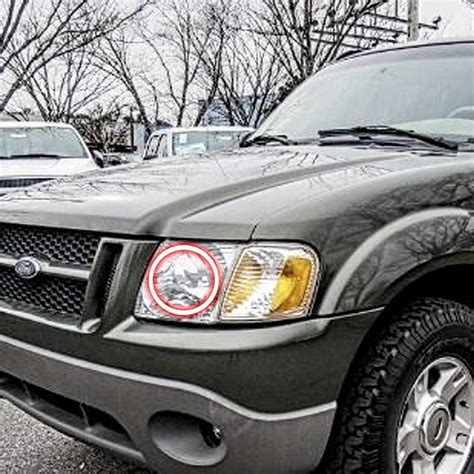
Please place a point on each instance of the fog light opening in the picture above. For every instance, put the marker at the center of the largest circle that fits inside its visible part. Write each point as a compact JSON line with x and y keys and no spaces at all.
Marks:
{"x":212,"y":435}
{"x":188,"y":439}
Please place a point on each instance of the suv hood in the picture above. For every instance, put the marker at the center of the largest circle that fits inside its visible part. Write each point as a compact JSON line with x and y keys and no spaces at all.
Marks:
{"x":224,"y":195}
{"x":44,"y":168}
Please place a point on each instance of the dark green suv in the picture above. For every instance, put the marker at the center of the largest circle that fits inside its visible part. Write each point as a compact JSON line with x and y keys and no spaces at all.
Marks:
{"x":303,"y":303}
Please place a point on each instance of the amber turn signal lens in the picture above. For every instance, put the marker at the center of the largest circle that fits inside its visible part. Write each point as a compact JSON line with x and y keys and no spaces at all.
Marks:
{"x":292,"y":286}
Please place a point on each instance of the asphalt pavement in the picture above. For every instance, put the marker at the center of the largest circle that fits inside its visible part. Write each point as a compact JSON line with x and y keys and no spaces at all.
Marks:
{"x":27,"y":446}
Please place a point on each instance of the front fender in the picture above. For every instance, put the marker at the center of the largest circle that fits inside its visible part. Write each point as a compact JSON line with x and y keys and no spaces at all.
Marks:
{"x":394,"y":251}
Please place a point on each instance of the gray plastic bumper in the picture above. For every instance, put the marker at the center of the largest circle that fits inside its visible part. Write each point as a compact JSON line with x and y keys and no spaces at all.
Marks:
{"x":163,"y":423}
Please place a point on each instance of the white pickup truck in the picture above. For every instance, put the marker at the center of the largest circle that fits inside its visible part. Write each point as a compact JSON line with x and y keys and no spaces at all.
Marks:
{"x":33,"y":152}
{"x":179,"y":142}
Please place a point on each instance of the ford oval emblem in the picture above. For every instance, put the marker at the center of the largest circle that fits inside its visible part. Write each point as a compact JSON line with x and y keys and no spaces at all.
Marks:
{"x":27,"y":268}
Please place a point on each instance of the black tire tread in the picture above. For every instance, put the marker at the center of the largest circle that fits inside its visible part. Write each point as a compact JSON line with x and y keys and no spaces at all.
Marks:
{"x":354,"y":443}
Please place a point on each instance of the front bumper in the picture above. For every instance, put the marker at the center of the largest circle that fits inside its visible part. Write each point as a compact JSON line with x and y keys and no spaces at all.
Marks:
{"x":159,"y":421}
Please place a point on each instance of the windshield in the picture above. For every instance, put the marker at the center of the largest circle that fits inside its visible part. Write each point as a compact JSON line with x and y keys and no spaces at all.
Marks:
{"x":53,"y":142}
{"x":186,"y":143}
{"x":429,"y":90}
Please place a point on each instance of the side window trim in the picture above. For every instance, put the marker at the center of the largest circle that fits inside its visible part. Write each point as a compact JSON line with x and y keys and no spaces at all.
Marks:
{"x":163,"y":146}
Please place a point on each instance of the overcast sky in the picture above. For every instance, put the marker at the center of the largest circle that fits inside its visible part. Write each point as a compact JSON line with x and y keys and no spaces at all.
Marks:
{"x":458,"y":18}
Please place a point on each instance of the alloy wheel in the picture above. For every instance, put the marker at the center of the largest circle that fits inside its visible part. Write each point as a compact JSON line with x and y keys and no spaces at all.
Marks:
{"x":436,"y":426}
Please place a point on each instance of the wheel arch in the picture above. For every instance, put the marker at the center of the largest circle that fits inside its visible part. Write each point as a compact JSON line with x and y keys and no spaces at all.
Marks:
{"x":449,"y":277}
{"x":397,"y":256}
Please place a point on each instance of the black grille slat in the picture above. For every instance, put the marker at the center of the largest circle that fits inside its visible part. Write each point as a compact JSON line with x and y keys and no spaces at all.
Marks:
{"x":58,"y":296}
{"x":56,"y":246}
{"x":21,"y":182}
{"x":46,"y":293}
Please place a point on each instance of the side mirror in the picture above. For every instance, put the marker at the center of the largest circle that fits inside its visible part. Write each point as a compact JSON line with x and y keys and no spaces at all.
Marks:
{"x":245,"y":137}
{"x":114,"y":160}
{"x":98,"y":158}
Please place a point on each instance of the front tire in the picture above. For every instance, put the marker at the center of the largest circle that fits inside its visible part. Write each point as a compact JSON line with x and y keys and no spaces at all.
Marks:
{"x":409,"y":405}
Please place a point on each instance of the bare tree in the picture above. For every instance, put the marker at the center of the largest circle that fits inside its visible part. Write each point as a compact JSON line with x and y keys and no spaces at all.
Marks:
{"x":173,"y":48}
{"x":250,"y":79}
{"x":34,"y":34}
{"x":13,"y":12}
{"x":103,"y":128}
{"x":180,"y":49}
{"x":188,"y":49}
{"x":206,"y":57}
{"x":66,"y":85}
{"x":115,"y":59}
{"x":214,"y":32}
{"x":303,"y":35}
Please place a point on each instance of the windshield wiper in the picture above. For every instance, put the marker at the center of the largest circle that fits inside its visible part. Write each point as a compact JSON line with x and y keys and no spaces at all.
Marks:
{"x":36,"y":155}
{"x":266,"y":139}
{"x":365,"y":132}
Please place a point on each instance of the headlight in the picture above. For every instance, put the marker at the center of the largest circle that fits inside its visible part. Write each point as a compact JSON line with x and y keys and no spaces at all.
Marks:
{"x":218,"y":282}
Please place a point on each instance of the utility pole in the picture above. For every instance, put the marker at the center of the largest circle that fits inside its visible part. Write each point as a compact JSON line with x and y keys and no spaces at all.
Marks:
{"x":132,"y":130}
{"x":413,"y":20}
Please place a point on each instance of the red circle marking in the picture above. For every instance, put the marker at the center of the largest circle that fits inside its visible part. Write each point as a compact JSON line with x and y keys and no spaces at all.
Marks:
{"x":215,"y":281}
{"x":204,"y":298}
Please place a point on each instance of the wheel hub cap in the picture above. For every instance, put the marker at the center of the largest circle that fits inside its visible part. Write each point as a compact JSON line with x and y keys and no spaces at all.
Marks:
{"x":435,"y":428}
{"x":436,"y":425}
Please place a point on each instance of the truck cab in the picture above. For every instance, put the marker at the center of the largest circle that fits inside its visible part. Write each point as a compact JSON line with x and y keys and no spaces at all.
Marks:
{"x":179,"y":142}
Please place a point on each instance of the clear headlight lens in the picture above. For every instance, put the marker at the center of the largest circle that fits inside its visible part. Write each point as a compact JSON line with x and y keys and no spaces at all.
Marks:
{"x":184,"y":281}
{"x":212,"y":282}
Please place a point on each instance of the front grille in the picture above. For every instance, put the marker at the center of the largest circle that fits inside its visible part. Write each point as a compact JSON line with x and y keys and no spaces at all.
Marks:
{"x":56,"y":246}
{"x":59,"y":295}
{"x":47,"y":293}
{"x":21,"y":182}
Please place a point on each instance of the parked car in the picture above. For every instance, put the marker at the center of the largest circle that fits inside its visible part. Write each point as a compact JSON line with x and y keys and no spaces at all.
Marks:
{"x":34,"y":152}
{"x":303,"y":302}
{"x":170,"y":142}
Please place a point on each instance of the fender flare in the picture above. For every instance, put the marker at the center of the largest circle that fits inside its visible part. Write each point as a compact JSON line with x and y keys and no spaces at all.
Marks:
{"x":396,"y":255}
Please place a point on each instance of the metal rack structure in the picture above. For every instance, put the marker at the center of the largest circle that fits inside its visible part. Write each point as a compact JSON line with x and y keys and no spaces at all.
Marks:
{"x":389,"y":22}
